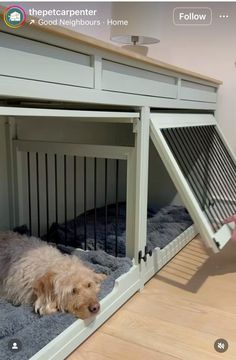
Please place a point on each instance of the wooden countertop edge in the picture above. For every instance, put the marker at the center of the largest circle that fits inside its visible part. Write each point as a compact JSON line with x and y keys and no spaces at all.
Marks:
{"x":72,"y":35}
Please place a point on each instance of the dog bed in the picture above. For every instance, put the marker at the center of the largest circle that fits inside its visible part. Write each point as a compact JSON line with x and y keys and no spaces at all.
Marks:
{"x":163,"y":226}
{"x":34,"y":331}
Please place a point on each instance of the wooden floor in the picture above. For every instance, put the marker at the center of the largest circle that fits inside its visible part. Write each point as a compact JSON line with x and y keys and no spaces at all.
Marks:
{"x":180,"y":313}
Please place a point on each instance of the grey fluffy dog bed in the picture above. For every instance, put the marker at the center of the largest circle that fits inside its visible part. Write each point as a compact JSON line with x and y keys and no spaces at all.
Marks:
{"x":33,"y":331}
{"x":163,"y":226}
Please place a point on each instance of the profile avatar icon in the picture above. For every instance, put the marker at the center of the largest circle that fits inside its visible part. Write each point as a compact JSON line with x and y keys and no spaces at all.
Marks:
{"x":14,"y":346}
{"x":14,"y":16}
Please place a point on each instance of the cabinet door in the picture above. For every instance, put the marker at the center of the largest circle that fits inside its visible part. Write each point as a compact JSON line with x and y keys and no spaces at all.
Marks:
{"x":203,"y":168}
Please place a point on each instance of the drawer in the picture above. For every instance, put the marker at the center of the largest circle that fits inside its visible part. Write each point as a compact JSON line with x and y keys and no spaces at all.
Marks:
{"x":28,"y":59}
{"x":197,"y":92}
{"x":128,"y":79}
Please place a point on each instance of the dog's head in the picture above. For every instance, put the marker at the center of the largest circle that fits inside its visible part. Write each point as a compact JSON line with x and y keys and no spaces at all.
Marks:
{"x":75,"y":293}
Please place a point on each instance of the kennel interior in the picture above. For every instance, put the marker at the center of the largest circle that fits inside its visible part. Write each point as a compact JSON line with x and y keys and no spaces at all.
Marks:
{"x":69,"y":186}
{"x":72,"y":183}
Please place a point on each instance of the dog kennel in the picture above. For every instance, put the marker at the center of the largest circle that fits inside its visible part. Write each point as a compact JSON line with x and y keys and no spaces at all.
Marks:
{"x":106,"y":154}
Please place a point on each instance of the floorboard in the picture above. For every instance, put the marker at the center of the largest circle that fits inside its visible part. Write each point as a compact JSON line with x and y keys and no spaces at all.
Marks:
{"x":178,"y":315}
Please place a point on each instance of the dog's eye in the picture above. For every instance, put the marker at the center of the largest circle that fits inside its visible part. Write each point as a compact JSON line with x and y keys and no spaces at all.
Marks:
{"x":89,"y":285}
{"x":75,"y":291}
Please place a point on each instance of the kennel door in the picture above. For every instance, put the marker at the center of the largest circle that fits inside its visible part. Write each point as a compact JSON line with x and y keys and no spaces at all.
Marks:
{"x":203,"y":169}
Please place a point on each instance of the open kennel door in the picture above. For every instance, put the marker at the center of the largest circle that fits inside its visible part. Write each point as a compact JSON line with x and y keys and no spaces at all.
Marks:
{"x":202,"y":168}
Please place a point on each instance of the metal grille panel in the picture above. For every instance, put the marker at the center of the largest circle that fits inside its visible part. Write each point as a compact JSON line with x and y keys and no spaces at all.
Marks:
{"x":62,"y":189}
{"x":208,"y":168}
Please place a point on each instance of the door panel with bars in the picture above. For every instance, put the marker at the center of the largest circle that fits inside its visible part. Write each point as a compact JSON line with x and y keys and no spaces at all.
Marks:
{"x":203,"y":169}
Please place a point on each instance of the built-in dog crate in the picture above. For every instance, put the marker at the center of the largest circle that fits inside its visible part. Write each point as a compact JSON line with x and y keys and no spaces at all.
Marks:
{"x":77,"y":194}
{"x":88,"y":163}
{"x":74,"y":193}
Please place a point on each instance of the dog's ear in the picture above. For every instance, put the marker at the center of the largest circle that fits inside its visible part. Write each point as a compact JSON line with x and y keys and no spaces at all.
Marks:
{"x":98,"y":278}
{"x":44,"y":285}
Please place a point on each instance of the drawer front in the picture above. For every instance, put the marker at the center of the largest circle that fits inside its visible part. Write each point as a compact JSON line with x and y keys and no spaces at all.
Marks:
{"x":197,"y":92}
{"x":127,"y":79}
{"x":33,"y":60}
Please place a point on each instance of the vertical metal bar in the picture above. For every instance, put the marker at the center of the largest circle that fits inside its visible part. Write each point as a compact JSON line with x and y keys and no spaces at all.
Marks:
{"x":229,"y":172}
{"x":29,"y":192}
{"x":105,"y":205}
{"x":223,"y":170}
{"x":197,"y":138}
{"x":56,"y":189}
{"x":185,"y":166}
{"x":75,"y":197}
{"x":226,"y":161}
{"x":219,"y":179}
{"x":195,"y":158}
{"x":182,"y":185}
{"x":218,"y":156}
{"x":65,"y":195}
{"x":117,"y":205}
{"x":205,"y":139}
{"x":95,"y":203}
{"x":229,"y":166}
{"x":38,"y":195}
{"x":194,"y":137}
{"x":85,"y":203}
{"x":189,"y":158}
{"x":180,"y":155}
{"x":47,"y":200}
{"x":225,"y":150}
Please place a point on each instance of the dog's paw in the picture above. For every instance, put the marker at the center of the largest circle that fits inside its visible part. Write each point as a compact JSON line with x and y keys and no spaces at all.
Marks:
{"x":44,"y":309}
{"x":38,"y":308}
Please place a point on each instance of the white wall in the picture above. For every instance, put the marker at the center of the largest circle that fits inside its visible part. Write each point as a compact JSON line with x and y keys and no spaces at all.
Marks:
{"x":210,"y":50}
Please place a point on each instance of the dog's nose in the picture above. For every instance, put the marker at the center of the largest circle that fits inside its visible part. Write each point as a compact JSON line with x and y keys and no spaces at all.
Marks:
{"x":94,"y":308}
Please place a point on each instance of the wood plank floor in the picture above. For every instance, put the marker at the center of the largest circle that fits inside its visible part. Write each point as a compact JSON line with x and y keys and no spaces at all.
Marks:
{"x":179,"y":314}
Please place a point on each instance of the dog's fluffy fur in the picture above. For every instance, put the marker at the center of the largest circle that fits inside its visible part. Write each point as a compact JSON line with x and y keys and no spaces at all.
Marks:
{"x":33,"y":272}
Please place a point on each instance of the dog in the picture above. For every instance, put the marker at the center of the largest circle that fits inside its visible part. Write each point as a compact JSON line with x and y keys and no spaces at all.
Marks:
{"x":34,"y":272}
